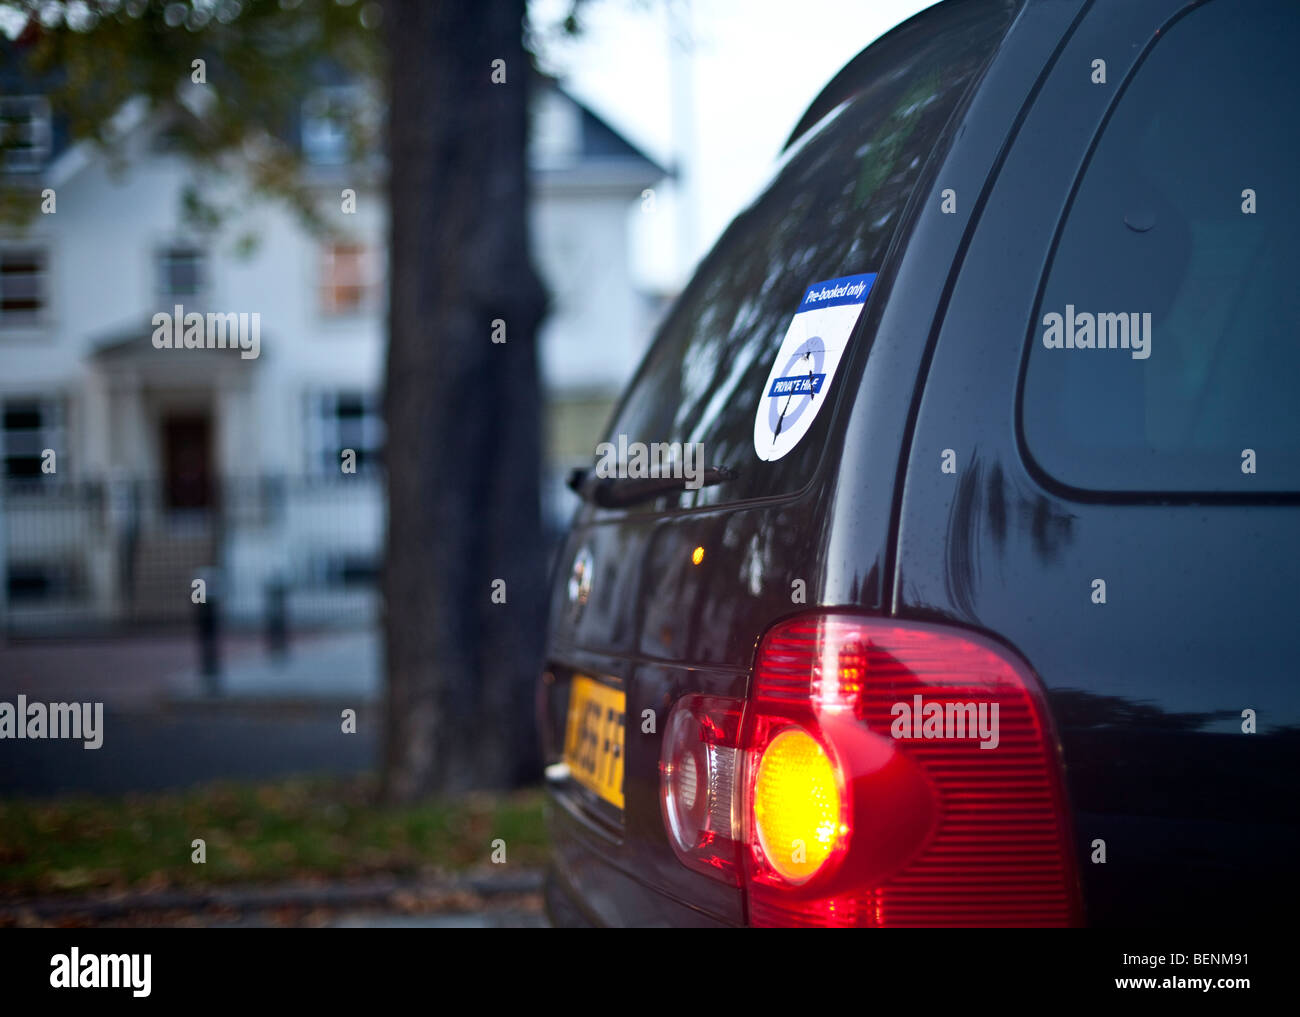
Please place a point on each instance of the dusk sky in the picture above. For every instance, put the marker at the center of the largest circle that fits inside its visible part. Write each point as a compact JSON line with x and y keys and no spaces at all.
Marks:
{"x":755,"y":67}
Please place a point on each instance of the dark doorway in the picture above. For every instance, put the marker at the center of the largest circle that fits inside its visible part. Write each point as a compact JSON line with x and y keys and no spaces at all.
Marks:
{"x":187,"y":462}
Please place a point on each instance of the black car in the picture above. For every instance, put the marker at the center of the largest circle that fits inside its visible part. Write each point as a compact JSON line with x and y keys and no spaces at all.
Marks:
{"x":940,"y":566}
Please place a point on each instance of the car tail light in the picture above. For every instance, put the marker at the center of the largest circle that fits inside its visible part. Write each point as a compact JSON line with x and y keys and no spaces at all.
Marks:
{"x":697,"y":775}
{"x":886,"y":773}
{"x":798,"y":808}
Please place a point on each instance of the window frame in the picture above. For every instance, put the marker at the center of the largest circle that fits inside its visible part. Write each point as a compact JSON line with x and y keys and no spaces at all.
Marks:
{"x":39,"y":319}
{"x":324,"y":432}
{"x":370,"y":270}
{"x":51,"y":433}
{"x":202,"y":293}
{"x":313,"y":127}
{"x":39,"y":125}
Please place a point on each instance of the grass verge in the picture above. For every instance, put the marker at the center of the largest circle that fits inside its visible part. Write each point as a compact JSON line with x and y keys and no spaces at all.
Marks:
{"x":312,"y":829}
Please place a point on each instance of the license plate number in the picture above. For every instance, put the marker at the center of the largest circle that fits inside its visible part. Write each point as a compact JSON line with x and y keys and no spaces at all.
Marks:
{"x":593,"y":741}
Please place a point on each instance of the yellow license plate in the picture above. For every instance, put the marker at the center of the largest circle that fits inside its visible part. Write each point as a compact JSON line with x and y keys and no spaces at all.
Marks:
{"x":593,"y":741}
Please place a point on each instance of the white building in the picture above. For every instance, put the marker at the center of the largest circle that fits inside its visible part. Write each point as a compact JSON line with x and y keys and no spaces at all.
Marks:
{"x":170,"y":462}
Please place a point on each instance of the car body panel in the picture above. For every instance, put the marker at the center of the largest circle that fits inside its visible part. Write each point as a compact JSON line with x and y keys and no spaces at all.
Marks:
{"x":1146,"y":690}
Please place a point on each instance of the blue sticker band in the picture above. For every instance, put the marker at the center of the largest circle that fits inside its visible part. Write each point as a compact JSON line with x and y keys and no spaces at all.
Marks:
{"x":848,"y":289}
{"x":799,"y":384}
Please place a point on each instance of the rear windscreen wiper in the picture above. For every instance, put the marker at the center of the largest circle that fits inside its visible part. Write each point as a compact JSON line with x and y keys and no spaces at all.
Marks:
{"x":620,"y":492}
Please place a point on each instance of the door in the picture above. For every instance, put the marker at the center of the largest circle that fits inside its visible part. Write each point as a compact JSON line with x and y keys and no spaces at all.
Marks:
{"x":187,"y":462}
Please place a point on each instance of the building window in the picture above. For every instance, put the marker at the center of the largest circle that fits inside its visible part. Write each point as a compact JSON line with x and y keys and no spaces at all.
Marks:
{"x":27,"y":428}
{"x":24,"y":132}
{"x":337,"y":123}
{"x":182,"y":272}
{"x":346,"y":420}
{"x":34,"y":582}
{"x":348,"y":278}
{"x":22,"y":286}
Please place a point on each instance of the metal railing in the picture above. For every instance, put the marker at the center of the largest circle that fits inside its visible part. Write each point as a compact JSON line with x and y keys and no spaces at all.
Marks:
{"x":82,"y":554}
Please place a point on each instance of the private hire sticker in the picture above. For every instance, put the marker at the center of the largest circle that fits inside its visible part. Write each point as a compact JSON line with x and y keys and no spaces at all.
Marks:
{"x":801,"y":376}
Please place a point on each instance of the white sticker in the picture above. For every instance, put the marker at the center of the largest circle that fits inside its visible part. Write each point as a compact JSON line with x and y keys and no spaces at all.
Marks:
{"x":801,"y":375}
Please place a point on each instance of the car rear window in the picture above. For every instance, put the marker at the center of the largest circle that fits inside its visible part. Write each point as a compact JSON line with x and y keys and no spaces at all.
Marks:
{"x":830,"y":212}
{"x":1184,"y":231}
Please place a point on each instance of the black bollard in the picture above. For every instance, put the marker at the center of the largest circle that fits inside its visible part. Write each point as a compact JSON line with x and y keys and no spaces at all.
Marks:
{"x":277,"y":623}
{"x":209,"y":645}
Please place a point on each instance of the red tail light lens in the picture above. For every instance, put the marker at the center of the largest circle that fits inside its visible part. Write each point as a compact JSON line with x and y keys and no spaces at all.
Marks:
{"x":952,"y":809}
{"x":880,"y":774}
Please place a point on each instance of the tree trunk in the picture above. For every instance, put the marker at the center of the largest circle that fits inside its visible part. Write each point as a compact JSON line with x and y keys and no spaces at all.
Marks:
{"x":462,"y":412}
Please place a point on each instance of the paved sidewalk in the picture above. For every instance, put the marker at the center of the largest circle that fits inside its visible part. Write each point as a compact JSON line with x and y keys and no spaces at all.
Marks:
{"x":140,"y":672}
{"x":123,"y":672}
{"x":325,"y":667}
